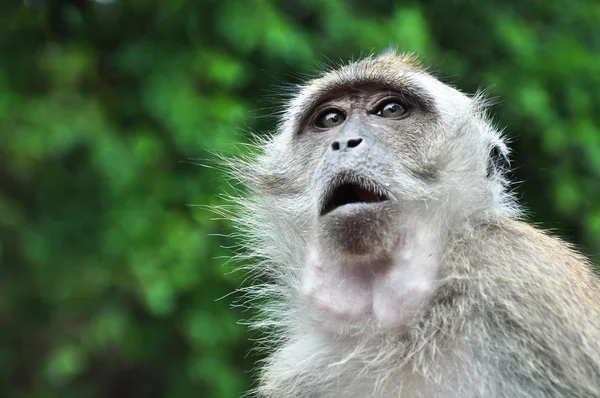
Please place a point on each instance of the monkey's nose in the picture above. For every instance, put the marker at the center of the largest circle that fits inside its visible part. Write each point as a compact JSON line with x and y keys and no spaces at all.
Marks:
{"x":346,"y":144}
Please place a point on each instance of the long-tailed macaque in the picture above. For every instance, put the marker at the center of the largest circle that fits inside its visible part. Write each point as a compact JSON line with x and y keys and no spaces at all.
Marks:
{"x":395,"y":261}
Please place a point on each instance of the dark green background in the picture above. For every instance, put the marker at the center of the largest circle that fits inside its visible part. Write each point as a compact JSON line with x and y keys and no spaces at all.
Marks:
{"x":109,"y":281}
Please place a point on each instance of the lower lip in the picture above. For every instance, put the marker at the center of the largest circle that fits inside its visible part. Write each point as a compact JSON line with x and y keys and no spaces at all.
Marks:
{"x":357,"y":207}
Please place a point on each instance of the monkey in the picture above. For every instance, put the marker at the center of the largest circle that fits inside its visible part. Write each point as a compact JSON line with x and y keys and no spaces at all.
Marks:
{"x":393,"y":257}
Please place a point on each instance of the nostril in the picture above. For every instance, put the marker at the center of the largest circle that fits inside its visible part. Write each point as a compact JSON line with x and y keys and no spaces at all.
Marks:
{"x":335,"y":146}
{"x":353,"y":143}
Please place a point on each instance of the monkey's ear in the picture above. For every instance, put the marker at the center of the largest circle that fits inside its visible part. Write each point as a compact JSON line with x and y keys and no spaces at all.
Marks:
{"x":498,"y":161}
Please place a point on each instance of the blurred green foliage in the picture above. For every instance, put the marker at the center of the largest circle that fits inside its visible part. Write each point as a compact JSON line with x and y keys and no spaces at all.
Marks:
{"x":110,"y":282}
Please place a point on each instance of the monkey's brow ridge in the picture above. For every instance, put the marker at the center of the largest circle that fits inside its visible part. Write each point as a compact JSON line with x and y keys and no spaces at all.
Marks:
{"x":330,"y":88}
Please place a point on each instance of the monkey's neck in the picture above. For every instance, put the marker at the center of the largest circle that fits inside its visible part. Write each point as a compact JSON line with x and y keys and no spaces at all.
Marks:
{"x":370,"y":294}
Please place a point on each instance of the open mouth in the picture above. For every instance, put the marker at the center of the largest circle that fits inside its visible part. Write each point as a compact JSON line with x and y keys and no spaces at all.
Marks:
{"x":350,"y":190}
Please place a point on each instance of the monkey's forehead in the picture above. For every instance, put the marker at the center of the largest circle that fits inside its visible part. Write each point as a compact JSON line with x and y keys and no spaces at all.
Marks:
{"x":387,"y":62}
{"x":385,"y":68}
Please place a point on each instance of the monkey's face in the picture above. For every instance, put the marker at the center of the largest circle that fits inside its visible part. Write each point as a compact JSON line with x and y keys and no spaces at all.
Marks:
{"x":373,"y":163}
{"x":372,"y":141}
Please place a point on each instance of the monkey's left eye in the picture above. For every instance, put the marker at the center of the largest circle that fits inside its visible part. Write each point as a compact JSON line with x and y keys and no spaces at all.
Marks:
{"x":392,"y":109}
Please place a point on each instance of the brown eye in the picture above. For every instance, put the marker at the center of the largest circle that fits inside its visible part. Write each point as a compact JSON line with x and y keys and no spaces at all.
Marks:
{"x":330,"y":119}
{"x":392,"y":109}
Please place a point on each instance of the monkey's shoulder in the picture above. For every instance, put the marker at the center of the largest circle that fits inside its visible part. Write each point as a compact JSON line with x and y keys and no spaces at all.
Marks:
{"x":545,"y":274}
{"x":542,"y":299}
{"x":515,"y":260}
{"x":527,"y":245}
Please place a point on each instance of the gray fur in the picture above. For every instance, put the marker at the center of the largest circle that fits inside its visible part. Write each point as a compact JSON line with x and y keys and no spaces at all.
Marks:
{"x":514,"y":312}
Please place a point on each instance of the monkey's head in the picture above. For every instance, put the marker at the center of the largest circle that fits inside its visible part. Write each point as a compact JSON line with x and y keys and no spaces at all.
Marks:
{"x":374,"y":167}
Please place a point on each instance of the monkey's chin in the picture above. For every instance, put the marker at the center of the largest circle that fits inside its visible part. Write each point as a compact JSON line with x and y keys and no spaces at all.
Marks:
{"x":359,"y":228}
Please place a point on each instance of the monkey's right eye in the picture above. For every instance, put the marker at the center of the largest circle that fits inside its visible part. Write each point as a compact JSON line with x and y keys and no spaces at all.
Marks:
{"x":330,"y":119}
